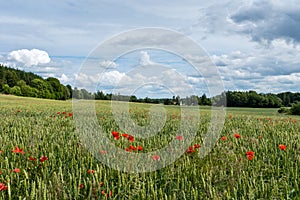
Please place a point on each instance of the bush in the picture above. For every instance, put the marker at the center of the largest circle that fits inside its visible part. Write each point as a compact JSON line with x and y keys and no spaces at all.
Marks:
{"x":283,"y":110}
{"x":16,"y":90}
{"x":295,"y":109}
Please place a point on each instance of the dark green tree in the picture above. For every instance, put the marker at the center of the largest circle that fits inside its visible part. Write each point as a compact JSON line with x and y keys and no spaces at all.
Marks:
{"x":11,"y":78}
{"x":295,"y":109}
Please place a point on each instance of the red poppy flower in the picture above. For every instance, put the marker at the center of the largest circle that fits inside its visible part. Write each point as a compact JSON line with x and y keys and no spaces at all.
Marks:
{"x":110,"y":193}
{"x":282,"y":147}
{"x":70,"y":114}
{"x":31,"y":158}
{"x":139,"y":148}
{"x":130,"y":138}
{"x":81,"y":186}
{"x":125,"y":135}
{"x":127,"y":149}
{"x":190,"y":150}
{"x":197,"y":146}
{"x":238,"y":136}
{"x":17,"y":150}
{"x":90,"y":171}
{"x":64,"y":113}
{"x":3,"y":187}
{"x":250,"y":155}
{"x":223,"y":138}
{"x":1,"y":151}
{"x":179,"y":137}
{"x":58,"y":113}
{"x":43,"y":158}
{"x":103,"y":192}
{"x":132,"y":147}
{"x":156,"y":157}
{"x":115,"y":133}
{"x":17,"y":170}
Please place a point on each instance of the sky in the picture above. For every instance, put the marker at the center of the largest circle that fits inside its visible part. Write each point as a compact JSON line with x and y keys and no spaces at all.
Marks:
{"x":253,"y":45}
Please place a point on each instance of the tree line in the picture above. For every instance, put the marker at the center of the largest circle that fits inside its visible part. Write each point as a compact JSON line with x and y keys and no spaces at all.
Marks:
{"x":20,"y":83}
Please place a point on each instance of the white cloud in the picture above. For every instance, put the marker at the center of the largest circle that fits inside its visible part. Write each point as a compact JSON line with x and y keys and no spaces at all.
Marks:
{"x":29,"y":57}
{"x":64,"y":79}
{"x":105,"y":79}
{"x":111,"y":78}
{"x":145,"y":59}
{"x":108,"y":64}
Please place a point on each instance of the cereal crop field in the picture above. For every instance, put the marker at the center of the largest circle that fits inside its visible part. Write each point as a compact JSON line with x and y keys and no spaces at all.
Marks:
{"x":257,"y":155}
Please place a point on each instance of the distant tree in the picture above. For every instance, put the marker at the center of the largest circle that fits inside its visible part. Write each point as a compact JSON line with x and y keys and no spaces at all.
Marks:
{"x":295,"y":109}
{"x":205,"y":100}
{"x":6,"y":89}
{"x":108,"y":96}
{"x":167,"y":101}
{"x":42,"y":87}
{"x":70,"y":91}
{"x":76,"y":94}
{"x":16,"y":90}
{"x":177,"y":100}
{"x":11,"y":78}
{"x":133,"y":98}
{"x":2,"y":83}
{"x":85,"y":94}
{"x":147,"y":100}
{"x":21,"y":83}
{"x":99,"y":95}
{"x":283,"y":110}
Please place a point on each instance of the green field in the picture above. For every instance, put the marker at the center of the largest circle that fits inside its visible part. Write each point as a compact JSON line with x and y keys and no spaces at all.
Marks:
{"x":55,"y":164}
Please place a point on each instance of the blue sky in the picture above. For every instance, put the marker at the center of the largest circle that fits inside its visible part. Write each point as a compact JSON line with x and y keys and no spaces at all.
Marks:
{"x":254,"y":44}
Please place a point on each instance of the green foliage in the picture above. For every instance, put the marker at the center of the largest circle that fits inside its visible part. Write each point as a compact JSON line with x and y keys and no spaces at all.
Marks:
{"x":283,"y":110}
{"x":288,"y":98}
{"x":20,"y":83}
{"x":6,"y":89}
{"x":11,"y":78}
{"x":16,"y":90}
{"x":295,"y":109}
{"x":252,"y":99}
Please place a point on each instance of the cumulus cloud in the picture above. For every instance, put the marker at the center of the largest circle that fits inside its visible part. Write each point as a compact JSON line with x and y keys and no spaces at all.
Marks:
{"x":111,"y":78}
{"x":105,"y":79}
{"x":108,"y":64}
{"x":29,"y":57}
{"x":145,"y":59}
{"x":64,"y":79}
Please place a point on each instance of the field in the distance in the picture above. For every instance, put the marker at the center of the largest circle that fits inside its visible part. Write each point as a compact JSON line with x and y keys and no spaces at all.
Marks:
{"x":256,"y":157}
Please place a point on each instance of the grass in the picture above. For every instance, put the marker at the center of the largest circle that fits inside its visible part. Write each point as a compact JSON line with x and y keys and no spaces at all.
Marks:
{"x":72,"y":172}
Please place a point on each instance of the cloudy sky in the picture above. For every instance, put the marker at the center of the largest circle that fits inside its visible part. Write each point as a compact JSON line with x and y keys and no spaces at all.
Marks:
{"x":253,"y":44}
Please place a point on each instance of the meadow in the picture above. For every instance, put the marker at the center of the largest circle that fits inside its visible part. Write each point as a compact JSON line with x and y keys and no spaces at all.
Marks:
{"x":257,"y":155}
